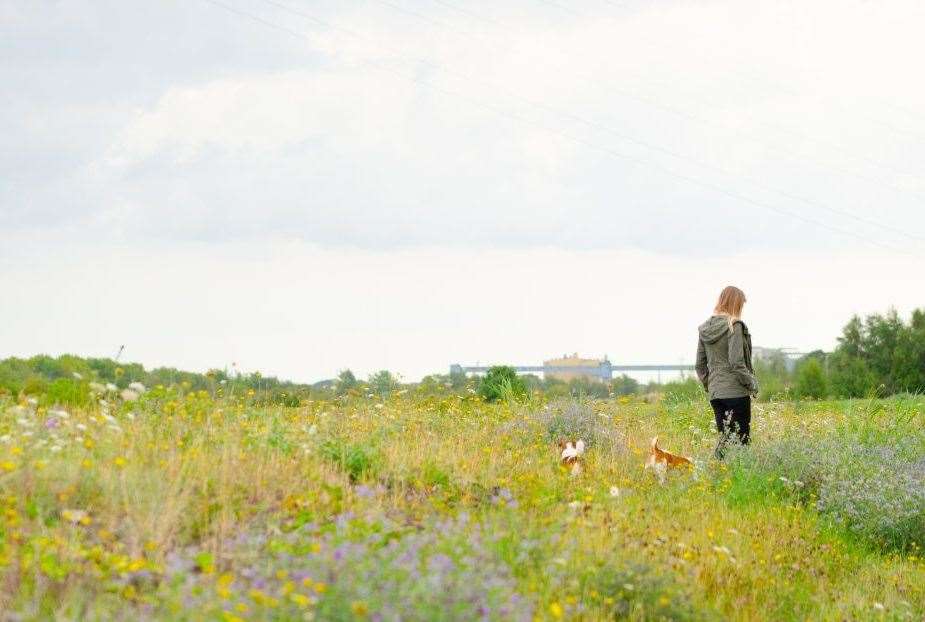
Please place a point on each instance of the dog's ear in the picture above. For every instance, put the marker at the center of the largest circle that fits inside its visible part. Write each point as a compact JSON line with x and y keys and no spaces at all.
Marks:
{"x":580,"y":447}
{"x":561,"y":443}
{"x":654,"y":442}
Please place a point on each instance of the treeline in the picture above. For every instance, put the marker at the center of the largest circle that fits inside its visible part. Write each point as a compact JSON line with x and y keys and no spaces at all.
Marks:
{"x":67,"y":380}
{"x":876,"y":356}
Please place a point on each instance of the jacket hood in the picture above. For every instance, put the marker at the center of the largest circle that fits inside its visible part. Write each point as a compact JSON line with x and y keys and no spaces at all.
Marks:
{"x":713,"y":329}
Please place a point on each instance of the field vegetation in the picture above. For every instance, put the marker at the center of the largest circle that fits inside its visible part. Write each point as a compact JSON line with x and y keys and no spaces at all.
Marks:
{"x":430,"y":503}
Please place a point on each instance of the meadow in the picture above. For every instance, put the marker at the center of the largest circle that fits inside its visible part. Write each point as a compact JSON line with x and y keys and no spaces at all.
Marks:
{"x":190,"y":505}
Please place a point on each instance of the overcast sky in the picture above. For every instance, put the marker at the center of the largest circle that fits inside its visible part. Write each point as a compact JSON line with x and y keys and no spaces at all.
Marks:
{"x":304,"y":186}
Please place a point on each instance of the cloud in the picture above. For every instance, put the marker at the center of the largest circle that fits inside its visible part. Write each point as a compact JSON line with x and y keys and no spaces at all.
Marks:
{"x":494,"y":127}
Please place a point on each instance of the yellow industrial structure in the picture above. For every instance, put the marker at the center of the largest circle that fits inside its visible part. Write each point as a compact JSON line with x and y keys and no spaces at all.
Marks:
{"x":584,"y":368}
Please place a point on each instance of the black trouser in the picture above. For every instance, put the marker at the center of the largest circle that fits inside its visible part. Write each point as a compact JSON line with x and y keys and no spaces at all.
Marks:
{"x":733,"y":418}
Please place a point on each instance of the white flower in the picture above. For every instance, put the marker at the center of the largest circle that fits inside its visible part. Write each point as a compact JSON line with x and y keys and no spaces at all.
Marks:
{"x":575,"y":505}
{"x":879,"y":606}
{"x":313,"y":430}
{"x":111,"y":387}
{"x":81,"y":427}
{"x":614,"y":491}
{"x":77,"y":376}
{"x":109,"y":418}
{"x":380,"y":405}
{"x":32,"y":401}
{"x":56,"y":448}
{"x":129,"y":395}
{"x":24,"y":423}
{"x":137,"y":387}
{"x":722,"y":549}
{"x":57,"y":412}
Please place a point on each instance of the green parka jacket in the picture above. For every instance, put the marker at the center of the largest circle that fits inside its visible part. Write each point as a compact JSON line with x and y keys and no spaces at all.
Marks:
{"x":724,"y":359}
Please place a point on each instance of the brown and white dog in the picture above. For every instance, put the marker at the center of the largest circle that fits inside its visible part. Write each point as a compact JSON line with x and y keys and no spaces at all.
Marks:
{"x":572,"y":451}
{"x":660,"y":460}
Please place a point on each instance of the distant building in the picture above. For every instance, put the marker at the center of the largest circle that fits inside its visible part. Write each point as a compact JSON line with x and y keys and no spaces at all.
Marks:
{"x":583,"y":368}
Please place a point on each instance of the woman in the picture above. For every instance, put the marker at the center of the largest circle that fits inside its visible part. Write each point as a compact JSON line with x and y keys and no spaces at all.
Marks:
{"x":724,"y":366}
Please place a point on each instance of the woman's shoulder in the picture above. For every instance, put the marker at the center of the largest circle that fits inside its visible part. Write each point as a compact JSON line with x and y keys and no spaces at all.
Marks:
{"x":740,"y":324}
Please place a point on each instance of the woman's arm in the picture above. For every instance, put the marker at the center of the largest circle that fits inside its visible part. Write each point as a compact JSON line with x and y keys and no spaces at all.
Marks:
{"x":703,"y":371}
{"x":737,"y":360}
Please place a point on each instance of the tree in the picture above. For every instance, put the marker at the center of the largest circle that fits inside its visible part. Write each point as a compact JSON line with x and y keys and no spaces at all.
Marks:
{"x":850,"y":376}
{"x":383,"y":382}
{"x":879,"y":355}
{"x":909,"y":356}
{"x":345,"y":381}
{"x":624,"y":385}
{"x":501,"y":382}
{"x":811,"y":381}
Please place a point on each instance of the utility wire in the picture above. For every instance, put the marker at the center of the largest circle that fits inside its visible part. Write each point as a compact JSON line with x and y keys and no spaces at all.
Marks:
{"x":521,"y":119}
{"x":602,"y":127}
{"x":698,"y":119}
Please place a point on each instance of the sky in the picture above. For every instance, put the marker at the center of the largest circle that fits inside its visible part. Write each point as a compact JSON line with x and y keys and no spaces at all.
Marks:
{"x":300,"y":187}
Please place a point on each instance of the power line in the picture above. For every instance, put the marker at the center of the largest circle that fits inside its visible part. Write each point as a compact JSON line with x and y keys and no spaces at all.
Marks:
{"x":698,"y":119}
{"x":502,"y":112}
{"x":600,"y":126}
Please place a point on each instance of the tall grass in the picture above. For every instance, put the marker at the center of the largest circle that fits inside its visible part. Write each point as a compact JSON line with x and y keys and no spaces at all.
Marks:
{"x":420,"y":507}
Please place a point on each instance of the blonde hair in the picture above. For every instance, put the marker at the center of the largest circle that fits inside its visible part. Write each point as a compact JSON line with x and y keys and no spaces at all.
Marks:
{"x":730,"y":303}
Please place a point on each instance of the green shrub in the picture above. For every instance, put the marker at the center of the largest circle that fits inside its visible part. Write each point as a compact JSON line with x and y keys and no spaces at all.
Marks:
{"x":811,"y":380}
{"x":682,"y":391}
{"x":67,"y":392}
{"x":355,"y":460}
{"x":36,"y":385}
{"x":501,"y":382}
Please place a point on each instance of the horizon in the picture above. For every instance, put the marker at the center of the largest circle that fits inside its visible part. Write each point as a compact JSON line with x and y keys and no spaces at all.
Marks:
{"x":403,"y":186}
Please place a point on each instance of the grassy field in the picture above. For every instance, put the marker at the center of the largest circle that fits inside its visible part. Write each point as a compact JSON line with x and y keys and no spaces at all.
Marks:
{"x":181,"y":506}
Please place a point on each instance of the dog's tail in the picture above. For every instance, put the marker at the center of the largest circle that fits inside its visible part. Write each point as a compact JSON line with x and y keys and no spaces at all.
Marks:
{"x":654,"y":444}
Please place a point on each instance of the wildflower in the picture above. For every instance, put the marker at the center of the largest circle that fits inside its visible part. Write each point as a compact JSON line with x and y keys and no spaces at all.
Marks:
{"x":555,"y":609}
{"x":879,"y":606}
{"x":614,"y":491}
{"x":359,"y":608}
{"x":7,"y":466}
{"x":76,"y":517}
{"x":120,"y":462}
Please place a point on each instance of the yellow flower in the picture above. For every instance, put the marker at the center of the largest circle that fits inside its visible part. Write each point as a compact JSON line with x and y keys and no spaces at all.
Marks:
{"x":120,"y":462}
{"x":86,"y":463}
{"x":321,"y":587}
{"x":7,"y":466}
{"x":555,"y":609}
{"x":359,"y":608}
